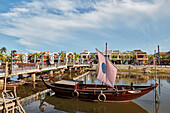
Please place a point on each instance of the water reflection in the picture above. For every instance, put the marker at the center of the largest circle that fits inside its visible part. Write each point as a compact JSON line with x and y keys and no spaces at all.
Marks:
{"x":73,"y":106}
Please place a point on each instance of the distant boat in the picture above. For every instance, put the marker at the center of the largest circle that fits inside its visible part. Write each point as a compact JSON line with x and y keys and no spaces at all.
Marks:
{"x":106,"y":93}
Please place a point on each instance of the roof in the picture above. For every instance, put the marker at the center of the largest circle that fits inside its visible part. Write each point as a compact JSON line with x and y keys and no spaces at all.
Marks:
{"x":85,"y":52}
{"x":108,"y":52}
{"x":168,"y":52}
{"x":139,"y":52}
{"x":115,"y":51}
{"x":163,"y":53}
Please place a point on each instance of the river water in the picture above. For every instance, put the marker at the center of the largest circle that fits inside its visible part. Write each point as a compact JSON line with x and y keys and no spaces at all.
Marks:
{"x":144,"y":104}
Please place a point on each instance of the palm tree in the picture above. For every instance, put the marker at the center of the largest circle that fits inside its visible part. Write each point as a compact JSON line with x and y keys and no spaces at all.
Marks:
{"x":3,"y":50}
{"x":2,"y":57}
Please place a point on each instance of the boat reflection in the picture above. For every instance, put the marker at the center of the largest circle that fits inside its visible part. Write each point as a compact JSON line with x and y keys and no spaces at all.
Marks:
{"x":75,"y":105}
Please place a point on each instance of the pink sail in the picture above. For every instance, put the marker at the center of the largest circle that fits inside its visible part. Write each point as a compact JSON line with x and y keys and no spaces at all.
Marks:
{"x":102,"y":69}
{"x":107,"y":71}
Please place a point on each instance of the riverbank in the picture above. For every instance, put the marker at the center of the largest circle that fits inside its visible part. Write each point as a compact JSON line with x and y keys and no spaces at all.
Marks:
{"x":140,"y":68}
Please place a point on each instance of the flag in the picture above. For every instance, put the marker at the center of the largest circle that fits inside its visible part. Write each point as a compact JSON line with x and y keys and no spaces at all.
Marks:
{"x":107,"y":71}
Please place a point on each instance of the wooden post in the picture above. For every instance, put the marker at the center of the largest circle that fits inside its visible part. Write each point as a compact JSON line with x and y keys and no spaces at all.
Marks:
{"x":51,"y":72}
{"x":155,"y":68}
{"x":33,"y":77}
{"x":20,"y":107}
{"x":62,"y":71}
{"x":6,"y":75}
{"x":156,"y":95}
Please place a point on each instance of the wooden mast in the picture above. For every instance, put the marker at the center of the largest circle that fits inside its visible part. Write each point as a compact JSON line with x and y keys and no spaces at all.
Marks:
{"x":106,"y":66}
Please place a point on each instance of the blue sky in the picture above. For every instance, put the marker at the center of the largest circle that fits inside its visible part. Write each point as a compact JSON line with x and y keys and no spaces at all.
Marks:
{"x":77,"y":25}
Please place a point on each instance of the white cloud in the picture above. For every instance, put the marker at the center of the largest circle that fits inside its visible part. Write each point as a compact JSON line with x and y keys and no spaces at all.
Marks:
{"x":50,"y":22}
{"x":33,"y":51}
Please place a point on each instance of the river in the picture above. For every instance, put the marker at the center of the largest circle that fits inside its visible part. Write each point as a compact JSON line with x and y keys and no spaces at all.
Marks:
{"x":144,"y":104}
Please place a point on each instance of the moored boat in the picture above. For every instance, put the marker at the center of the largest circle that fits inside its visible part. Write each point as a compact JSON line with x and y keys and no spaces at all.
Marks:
{"x":91,"y":92}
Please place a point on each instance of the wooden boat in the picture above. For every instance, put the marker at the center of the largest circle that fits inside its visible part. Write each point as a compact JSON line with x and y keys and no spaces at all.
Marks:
{"x":12,"y":84}
{"x":91,"y":92}
{"x":107,"y":93}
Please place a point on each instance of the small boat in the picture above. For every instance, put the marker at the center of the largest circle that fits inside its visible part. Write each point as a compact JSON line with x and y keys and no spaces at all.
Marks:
{"x":11,"y":84}
{"x":106,"y":93}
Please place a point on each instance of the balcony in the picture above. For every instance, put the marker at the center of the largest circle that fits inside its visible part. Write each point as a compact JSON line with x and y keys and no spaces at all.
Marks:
{"x":115,"y":58}
{"x":142,"y":58}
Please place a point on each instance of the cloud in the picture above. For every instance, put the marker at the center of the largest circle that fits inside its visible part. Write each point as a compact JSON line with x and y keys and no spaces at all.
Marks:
{"x":33,"y":51}
{"x":44,"y":23}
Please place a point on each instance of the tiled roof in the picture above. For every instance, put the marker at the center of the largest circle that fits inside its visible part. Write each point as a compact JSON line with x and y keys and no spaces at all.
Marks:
{"x":108,"y":52}
{"x":163,"y":53}
{"x":139,"y":52}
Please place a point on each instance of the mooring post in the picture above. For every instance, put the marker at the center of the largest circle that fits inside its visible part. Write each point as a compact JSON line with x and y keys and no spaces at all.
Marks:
{"x":156,"y":95}
{"x":33,"y":77}
{"x":51,"y":72}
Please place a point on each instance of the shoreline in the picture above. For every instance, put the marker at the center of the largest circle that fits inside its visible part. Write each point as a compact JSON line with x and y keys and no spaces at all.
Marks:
{"x":150,"y":69}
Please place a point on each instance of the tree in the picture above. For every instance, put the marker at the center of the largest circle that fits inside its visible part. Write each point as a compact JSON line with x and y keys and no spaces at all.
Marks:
{"x":3,"y":50}
{"x":131,"y":56}
{"x":150,"y":57}
{"x":92,"y":56}
{"x":62,"y":54}
{"x":127,"y":56}
{"x":124,"y":56}
{"x":20,"y":57}
{"x":38,"y":56}
{"x":75,"y":56}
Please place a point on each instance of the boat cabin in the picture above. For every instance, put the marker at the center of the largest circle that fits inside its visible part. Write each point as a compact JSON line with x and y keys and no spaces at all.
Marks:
{"x":68,"y":84}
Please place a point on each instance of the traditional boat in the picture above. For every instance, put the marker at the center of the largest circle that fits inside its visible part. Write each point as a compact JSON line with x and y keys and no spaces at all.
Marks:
{"x":92,"y":92}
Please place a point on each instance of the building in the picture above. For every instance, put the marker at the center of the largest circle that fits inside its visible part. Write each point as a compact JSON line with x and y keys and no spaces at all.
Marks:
{"x":108,"y":53}
{"x":85,"y":55}
{"x":140,"y":57}
{"x":115,"y":57}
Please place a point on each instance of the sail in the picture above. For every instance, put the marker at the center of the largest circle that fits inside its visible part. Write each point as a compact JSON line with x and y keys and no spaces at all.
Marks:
{"x":107,"y":71}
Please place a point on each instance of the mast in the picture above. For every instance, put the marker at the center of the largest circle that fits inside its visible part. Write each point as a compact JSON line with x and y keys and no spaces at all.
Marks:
{"x":106,"y":64}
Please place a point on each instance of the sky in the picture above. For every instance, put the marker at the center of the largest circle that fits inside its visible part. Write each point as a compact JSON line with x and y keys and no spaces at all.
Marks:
{"x":77,"y":25}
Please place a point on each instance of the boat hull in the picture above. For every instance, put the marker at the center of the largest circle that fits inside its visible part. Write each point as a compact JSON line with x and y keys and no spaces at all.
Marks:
{"x":101,"y":92}
{"x":110,"y":96}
